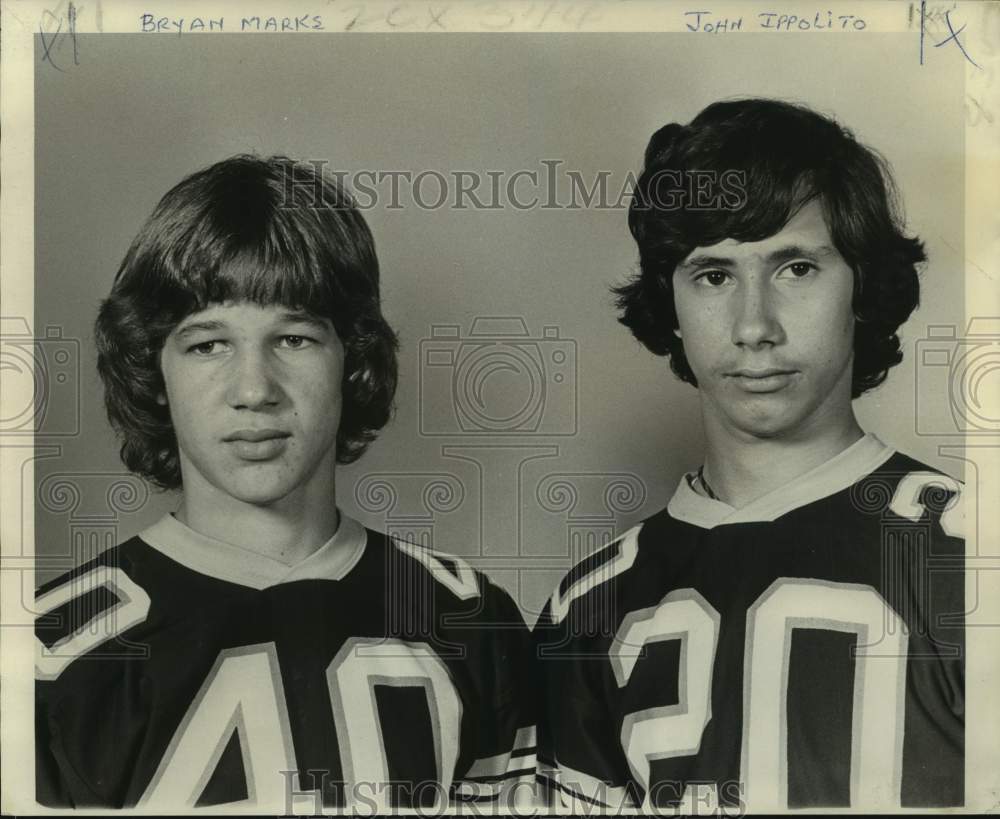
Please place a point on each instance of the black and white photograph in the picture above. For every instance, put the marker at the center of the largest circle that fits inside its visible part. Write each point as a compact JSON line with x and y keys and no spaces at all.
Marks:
{"x":500,"y":408}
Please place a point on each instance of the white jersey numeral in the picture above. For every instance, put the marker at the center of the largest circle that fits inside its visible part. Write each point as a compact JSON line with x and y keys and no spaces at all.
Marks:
{"x":243,"y":695}
{"x":879,"y":680}
{"x":352,"y":676}
{"x":676,"y":730}
{"x":686,"y":616}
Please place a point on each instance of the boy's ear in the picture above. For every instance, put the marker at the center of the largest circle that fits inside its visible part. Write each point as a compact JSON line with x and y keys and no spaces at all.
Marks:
{"x":677,"y":332}
{"x":161,"y":399}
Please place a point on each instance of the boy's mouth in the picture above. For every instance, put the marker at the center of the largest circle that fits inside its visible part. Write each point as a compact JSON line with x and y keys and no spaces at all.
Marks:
{"x":255,"y":435}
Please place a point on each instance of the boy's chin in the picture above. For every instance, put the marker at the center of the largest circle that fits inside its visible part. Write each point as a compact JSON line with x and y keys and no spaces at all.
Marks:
{"x":258,"y":492}
{"x":766,"y":422}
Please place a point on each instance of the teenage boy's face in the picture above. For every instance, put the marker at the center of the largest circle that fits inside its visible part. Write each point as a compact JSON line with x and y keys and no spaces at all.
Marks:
{"x":768,"y":329}
{"x":255,"y":400}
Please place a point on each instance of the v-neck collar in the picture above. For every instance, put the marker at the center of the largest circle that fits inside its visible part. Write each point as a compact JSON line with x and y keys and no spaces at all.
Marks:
{"x":226,"y":561}
{"x":858,"y":460}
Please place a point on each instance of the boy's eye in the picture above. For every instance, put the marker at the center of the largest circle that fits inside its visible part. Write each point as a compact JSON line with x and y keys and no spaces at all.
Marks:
{"x":295,"y":342}
{"x":204,"y":348}
{"x":797,"y":270}
{"x":712,"y":278}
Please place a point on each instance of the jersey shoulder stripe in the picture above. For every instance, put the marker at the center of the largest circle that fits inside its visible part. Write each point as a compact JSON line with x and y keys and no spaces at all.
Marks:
{"x":87,"y":608}
{"x":917,"y":490}
{"x":576,"y":789}
{"x":593,"y":572}
{"x":487,"y":778}
{"x":450,"y":571}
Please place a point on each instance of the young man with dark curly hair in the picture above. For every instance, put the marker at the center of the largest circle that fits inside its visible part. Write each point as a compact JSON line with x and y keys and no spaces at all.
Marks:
{"x":788,"y":631}
{"x":258,"y":648}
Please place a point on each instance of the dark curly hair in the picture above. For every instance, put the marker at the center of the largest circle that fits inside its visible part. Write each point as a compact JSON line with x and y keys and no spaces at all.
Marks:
{"x":770,"y":157}
{"x":268,"y":231}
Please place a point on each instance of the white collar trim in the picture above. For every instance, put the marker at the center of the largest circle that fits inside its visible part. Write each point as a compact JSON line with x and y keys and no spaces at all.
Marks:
{"x":859,"y":459}
{"x":226,"y":561}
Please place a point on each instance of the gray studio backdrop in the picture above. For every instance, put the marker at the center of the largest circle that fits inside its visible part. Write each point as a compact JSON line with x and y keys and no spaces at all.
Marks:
{"x":530,"y":426}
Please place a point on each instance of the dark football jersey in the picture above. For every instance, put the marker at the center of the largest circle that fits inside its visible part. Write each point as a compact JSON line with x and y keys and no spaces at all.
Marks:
{"x":803,"y":651}
{"x":177,"y":671}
